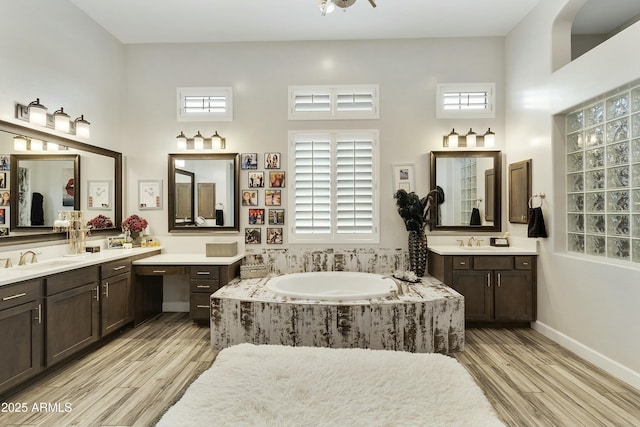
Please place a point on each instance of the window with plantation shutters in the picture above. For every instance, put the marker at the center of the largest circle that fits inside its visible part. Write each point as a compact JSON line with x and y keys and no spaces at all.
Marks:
{"x":205,"y":104}
{"x":467,"y":100}
{"x":334,"y":193}
{"x":333,"y":102}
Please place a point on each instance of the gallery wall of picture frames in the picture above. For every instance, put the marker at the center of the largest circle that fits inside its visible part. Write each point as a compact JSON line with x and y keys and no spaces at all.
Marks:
{"x":262,"y":198}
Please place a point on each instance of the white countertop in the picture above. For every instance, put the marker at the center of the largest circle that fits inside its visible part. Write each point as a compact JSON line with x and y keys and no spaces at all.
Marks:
{"x":481,"y":250}
{"x":187,"y":259}
{"x":50,"y":266}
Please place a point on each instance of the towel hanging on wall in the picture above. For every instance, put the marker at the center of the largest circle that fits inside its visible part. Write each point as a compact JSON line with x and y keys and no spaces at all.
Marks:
{"x":475,"y":217}
{"x":536,"y":223}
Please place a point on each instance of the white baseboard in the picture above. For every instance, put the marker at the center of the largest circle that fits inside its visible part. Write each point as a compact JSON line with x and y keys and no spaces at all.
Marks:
{"x":600,"y":360}
{"x":176,"y":307}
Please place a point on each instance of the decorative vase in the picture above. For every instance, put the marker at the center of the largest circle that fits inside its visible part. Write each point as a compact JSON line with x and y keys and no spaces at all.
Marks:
{"x":418,"y":252}
{"x":136,"y":237}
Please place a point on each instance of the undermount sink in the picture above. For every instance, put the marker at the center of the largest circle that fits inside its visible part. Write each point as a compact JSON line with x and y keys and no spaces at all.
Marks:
{"x":46,"y":265}
{"x":480,"y":248}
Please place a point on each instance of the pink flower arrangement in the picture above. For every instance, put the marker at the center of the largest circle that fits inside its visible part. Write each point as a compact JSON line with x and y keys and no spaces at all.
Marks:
{"x":99,"y":222}
{"x":134,"y":224}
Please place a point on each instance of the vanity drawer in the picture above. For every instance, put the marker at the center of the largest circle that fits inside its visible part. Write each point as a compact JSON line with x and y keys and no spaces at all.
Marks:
{"x":206,"y":285}
{"x":493,"y":262}
{"x":205,"y":272}
{"x":159,"y":270}
{"x":524,"y":262}
{"x":113,"y":268}
{"x":20,"y":293}
{"x":61,"y":282}
{"x":461,"y":263}
{"x":200,"y":306}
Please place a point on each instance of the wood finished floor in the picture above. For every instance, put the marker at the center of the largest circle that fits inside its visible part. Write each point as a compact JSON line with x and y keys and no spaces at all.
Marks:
{"x":133,"y":379}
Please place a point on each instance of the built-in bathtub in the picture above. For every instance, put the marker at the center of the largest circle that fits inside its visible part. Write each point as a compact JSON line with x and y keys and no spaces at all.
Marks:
{"x":332,"y":286}
{"x":423,"y":317}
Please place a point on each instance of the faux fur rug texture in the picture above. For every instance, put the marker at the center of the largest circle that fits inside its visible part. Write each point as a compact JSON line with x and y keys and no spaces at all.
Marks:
{"x":269,"y":385}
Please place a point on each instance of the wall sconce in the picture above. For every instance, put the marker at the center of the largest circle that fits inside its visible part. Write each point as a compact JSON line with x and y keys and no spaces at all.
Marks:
{"x":36,"y":113}
{"x":470,"y":140}
{"x":199,"y":142}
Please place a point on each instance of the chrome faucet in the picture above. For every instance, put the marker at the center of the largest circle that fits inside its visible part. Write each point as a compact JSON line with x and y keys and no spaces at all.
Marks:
{"x":23,"y":257}
{"x":471,"y":240}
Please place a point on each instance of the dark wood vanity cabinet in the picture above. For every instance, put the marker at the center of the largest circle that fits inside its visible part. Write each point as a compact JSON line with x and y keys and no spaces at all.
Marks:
{"x":205,"y":280}
{"x":21,"y":329}
{"x":116,"y":300}
{"x":72,"y":312}
{"x":498,"y":289}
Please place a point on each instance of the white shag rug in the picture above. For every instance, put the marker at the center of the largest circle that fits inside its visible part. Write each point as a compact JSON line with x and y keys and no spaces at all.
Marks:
{"x":270,"y":385}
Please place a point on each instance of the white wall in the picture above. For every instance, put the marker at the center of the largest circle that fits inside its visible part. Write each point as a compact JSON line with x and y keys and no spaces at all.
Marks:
{"x":585,"y":304}
{"x":53,"y":51}
{"x":407,"y":72}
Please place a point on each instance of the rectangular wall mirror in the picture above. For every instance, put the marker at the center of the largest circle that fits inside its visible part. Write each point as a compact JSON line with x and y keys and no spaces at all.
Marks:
{"x":472,"y":183}
{"x":100,"y":167}
{"x":203,"y":192}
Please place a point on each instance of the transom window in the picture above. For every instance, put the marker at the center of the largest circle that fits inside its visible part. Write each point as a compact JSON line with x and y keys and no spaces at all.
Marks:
{"x":205,"y":104}
{"x":334,"y":195}
{"x":603,"y":177}
{"x":333,"y":102}
{"x":467,"y":100}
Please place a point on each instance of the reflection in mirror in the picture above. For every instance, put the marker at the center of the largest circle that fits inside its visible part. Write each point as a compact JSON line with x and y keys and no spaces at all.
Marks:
{"x":42,"y":186}
{"x":471,"y":183}
{"x":203,"y":192}
{"x":101,"y":170}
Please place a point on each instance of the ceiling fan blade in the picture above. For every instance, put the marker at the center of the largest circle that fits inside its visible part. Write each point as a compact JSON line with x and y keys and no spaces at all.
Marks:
{"x":373,"y":3}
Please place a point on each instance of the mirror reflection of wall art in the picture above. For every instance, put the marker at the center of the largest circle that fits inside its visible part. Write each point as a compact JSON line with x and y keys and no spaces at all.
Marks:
{"x":99,"y":195}
{"x":150,"y":194}
{"x":403,"y":177}
{"x":68,"y":192}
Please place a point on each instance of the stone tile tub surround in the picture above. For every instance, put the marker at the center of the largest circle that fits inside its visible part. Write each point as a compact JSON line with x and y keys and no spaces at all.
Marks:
{"x":428,"y":317}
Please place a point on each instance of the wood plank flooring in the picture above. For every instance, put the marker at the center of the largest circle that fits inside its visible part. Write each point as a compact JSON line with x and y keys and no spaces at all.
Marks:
{"x":532,"y":381}
{"x":133,"y":379}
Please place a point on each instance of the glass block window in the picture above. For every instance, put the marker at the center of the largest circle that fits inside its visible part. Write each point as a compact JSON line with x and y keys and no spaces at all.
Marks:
{"x":468,"y":189}
{"x":603,"y":177}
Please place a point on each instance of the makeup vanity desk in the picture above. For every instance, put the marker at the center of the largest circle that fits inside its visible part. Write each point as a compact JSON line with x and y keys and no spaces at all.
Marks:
{"x":206,"y":275}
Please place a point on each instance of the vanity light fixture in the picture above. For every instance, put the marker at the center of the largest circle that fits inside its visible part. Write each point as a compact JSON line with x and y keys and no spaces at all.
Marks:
{"x":470,"y":140}
{"x":451,"y":140}
{"x":182,"y":141}
{"x":22,"y":143}
{"x":199,"y":142}
{"x":61,"y":121}
{"x":83,"y":127}
{"x":489,"y":138}
{"x":36,"y":113}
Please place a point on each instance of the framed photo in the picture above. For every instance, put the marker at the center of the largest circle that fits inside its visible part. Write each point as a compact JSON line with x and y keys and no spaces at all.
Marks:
{"x":252,"y":236}
{"x":4,"y":231}
{"x":3,"y":180}
{"x":272,"y":160}
{"x":250,"y":197}
{"x":276,"y":216}
{"x":249,"y":160}
{"x":276,"y":179}
{"x":150,"y":194}
{"x":404,"y":177}
{"x":273,"y":197}
{"x":99,"y":195}
{"x":256,"y":216}
{"x":274,"y":235}
{"x":5,"y":164}
{"x":256,"y":179}
{"x":3,"y":216}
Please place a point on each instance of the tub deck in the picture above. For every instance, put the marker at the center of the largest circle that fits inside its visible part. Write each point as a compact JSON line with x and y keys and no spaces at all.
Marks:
{"x":427,"y":318}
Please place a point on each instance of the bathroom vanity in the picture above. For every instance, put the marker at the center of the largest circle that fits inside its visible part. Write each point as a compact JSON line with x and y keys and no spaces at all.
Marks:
{"x":499,"y":284}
